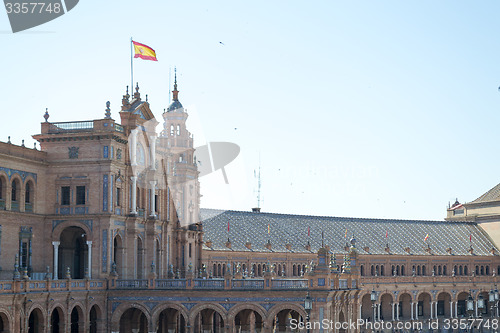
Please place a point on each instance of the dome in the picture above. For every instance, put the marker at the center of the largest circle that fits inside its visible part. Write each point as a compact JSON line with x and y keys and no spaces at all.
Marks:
{"x":174,"y":106}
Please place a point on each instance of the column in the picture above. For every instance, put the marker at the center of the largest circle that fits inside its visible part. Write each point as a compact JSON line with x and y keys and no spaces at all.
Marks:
{"x":89,"y":259}
{"x":392,"y":305}
{"x":152,"y":198}
{"x":475,"y":308}
{"x":397,"y":311}
{"x":374,"y":312}
{"x":133,"y":147}
{"x":416,"y":310}
{"x":436,"y":309}
{"x":152,"y":149}
{"x":133,"y":206}
{"x":56,"y":258}
{"x":360,"y":308}
{"x":378,"y":310}
{"x":432,"y":308}
{"x":451,"y":309}
{"x":411,"y":307}
{"x":456,"y":309}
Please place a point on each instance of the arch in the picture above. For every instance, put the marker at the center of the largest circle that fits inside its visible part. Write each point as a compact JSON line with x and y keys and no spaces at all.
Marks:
{"x":246,"y":306}
{"x":3,"y":188}
{"x":15,"y":192}
{"x":424,"y":304}
{"x":247,"y":317}
{"x":209,"y":316}
{"x":361,"y":270}
{"x":76,"y":319}
{"x":57,"y":322}
{"x":366,"y":307}
{"x":118,"y":250}
{"x":139,"y":262}
{"x":73,"y":252}
{"x":461,"y":298}
{"x":95,"y":319}
{"x":36,"y":320}
{"x":278,"y":314}
{"x":164,"y":319}
{"x":386,"y":300}
{"x":56,"y":233}
{"x":121,"y":309}
{"x":443,"y":306}
{"x":5,"y":321}
{"x":404,"y":300}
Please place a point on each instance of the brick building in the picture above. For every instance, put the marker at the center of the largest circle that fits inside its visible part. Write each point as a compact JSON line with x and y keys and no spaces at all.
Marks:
{"x":101,"y":231}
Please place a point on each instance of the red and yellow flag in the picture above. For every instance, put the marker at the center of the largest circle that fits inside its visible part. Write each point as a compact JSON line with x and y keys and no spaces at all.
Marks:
{"x":426,"y":238}
{"x":144,"y":52}
{"x":268,"y":229}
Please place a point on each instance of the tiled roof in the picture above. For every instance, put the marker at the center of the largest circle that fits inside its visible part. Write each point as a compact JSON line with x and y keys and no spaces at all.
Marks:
{"x":293,"y":229}
{"x":491,"y":195}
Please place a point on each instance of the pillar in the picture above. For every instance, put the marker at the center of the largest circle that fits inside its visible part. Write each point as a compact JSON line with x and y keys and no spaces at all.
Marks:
{"x":152,"y":148}
{"x":374,"y":312}
{"x":152,"y":198}
{"x":392,"y":305}
{"x":456,"y":309}
{"x":379,"y":305}
{"x":436,"y":309}
{"x":89,"y":259}
{"x":133,"y":147}
{"x":397,"y":311}
{"x":416,"y":310}
{"x":360,"y":308}
{"x":56,"y":258}
{"x":475,"y":308}
{"x":432,"y":308}
{"x":411,"y":307}
{"x":451,"y":309}
{"x":133,"y":206}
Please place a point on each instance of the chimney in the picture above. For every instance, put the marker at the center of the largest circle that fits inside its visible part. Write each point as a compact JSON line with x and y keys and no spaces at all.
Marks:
{"x":256,"y":210}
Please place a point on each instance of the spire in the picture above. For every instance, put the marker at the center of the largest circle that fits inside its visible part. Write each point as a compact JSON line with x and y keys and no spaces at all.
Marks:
{"x":175,"y":92}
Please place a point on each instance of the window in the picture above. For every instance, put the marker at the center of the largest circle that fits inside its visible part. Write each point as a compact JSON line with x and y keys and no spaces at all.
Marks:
{"x":178,"y":130}
{"x":24,"y":254}
{"x":172,"y":132}
{"x":1,"y":188}
{"x":80,"y":195}
{"x":14,"y":190}
{"x":27,"y":194}
{"x":118,"y":196}
{"x":190,"y":250}
{"x":65,"y":193}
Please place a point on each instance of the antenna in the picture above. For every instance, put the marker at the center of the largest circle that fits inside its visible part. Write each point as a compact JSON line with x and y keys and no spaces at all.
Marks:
{"x":169,"y":83}
{"x":258,"y":186}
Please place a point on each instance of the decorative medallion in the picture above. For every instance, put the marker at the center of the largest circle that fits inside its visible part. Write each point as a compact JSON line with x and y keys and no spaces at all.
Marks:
{"x":73,"y":152}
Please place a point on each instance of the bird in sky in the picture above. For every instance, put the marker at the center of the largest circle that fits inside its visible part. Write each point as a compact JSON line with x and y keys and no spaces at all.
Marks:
{"x":222,"y":43}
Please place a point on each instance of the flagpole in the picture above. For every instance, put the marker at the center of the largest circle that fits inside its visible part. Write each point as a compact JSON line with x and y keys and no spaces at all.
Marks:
{"x":131,"y":67}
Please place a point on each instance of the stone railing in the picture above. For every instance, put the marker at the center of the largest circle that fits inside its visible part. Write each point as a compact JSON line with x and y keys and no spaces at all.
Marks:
{"x":248,"y":284}
{"x":289,"y":284}
{"x":51,"y":285}
{"x":132,"y":284}
{"x":209,"y":283}
{"x":426,"y":279}
{"x":171,"y":284}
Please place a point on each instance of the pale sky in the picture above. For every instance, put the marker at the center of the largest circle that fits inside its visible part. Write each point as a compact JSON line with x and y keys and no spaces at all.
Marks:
{"x":382,"y":109}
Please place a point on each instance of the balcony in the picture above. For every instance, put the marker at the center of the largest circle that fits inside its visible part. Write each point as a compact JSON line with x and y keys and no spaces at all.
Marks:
{"x":71,"y":127}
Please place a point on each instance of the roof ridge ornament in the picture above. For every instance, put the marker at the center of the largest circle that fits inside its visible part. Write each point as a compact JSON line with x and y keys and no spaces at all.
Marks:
{"x":175,"y":92}
{"x":137,"y":94}
{"x":108,"y":111}
{"x":46,"y":115}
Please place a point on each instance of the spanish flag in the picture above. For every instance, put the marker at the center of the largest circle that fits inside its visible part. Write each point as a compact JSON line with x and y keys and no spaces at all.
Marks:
{"x":426,"y":238}
{"x":268,"y":229}
{"x":144,"y":52}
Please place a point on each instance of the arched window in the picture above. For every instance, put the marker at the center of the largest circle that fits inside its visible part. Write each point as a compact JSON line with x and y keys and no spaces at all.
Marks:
{"x":397,"y":270}
{"x":418,"y":270}
{"x":362,"y":270}
{"x":393,"y":270}
{"x":477,"y":270}
{"x":439,"y":270}
{"x":466,"y":270}
{"x":487,"y":270}
{"x":27,"y":193}
{"x":15,"y":190}
{"x":482,"y":270}
{"x":434,"y":270}
{"x":444,"y":269}
{"x":382,"y":272}
{"x":2,"y":188}
{"x":423,"y":270}
{"x":172,"y":131}
{"x":460,"y":270}
{"x":402,"y":270}
{"x":372,"y":271}
{"x":178,"y":130}
{"x":215,"y":270}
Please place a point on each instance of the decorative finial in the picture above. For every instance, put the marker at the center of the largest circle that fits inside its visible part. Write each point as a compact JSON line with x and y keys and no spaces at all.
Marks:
{"x":8,"y":141}
{"x":146,"y":97}
{"x":137,"y":95}
{"x":46,"y":115}
{"x":22,"y":145}
{"x":108,"y":110}
{"x":34,"y":146}
{"x":175,"y":92}
{"x":126,"y":94}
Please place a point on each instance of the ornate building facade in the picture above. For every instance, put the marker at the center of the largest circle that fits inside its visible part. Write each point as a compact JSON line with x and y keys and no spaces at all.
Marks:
{"x":101,"y":231}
